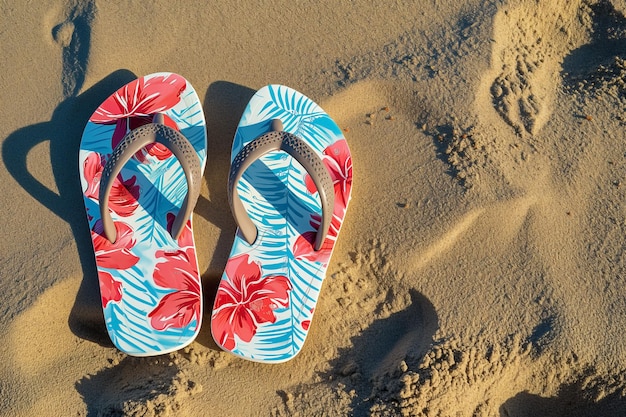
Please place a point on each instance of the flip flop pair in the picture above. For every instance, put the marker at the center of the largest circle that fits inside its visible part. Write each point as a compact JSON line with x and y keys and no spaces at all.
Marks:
{"x":142,"y":156}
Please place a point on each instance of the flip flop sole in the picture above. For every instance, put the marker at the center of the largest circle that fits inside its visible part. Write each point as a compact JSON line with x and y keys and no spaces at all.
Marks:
{"x":149,"y":282}
{"x":269,"y":290}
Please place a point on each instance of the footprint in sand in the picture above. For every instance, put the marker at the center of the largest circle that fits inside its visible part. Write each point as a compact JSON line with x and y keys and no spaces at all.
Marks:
{"x":525,"y":62}
{"x":63,"y":33}
{"x":73,"y":35}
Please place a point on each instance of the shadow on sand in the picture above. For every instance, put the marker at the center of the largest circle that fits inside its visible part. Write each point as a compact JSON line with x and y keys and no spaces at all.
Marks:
{"x":572,"y":400}
{"x":64,"y":131}
{"x":404,"y":336}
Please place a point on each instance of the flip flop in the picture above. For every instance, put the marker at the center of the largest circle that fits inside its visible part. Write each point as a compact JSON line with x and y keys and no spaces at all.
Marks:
{"x":289,"y":187}
{"x":141,"y":160}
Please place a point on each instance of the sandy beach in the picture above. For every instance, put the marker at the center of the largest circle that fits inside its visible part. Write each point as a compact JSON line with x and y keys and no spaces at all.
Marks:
{"x":481,"y":267}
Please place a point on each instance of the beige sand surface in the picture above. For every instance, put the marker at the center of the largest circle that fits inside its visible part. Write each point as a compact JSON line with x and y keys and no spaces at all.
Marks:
{"x":481,"y":270}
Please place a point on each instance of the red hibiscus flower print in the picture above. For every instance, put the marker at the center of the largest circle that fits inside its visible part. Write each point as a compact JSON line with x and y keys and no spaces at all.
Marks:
{"x":185,"y":240}
{"x":307,"y":323}
{"x":338,"y":161}
{"x":141,"y":98}
{"x":303,"y":248}
{"x":179,"y":308}
{"x":110,"y":289}
{"x":246,"y":300}
{"x":339,"y":164}
{"x":124,"y":194}
{"x":114,"y":255}
{"x":134,"y":104}
{"x":179,"y":272}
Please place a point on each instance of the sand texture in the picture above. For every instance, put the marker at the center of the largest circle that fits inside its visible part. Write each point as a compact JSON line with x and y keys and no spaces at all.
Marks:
{"x":481,"y":268}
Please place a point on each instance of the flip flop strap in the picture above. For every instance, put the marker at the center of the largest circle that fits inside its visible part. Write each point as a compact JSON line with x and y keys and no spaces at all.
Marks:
{"x":301,"y":152}
{"x":133,"y":142}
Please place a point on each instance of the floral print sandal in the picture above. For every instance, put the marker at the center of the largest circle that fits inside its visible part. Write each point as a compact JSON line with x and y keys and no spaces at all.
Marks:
{"x":289,"y":187}
{"x":141,"y":160}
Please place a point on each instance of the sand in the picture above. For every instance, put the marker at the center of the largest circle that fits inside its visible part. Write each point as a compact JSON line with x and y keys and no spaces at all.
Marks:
{"x":481,"y":270}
